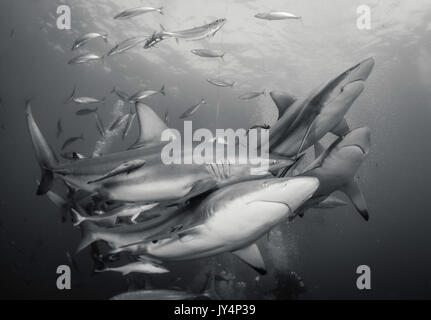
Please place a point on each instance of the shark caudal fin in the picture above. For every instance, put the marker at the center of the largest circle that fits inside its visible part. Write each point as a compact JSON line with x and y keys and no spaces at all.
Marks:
{"x":78,"y":218}
{"x":72,"y":96}
{"x":44,"y":154}
{"x":90,"y":234}
{"x":210,"y":290}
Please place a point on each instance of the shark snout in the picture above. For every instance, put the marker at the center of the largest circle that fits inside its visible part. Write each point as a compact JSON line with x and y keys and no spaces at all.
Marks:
{"x":292,"y":192}
{"x":299,"y":190}
{"x":365,"y":68}
{"x":351,"y":91}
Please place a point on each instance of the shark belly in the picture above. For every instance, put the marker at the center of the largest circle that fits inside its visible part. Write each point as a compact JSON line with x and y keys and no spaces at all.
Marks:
{"x":226,"y":231}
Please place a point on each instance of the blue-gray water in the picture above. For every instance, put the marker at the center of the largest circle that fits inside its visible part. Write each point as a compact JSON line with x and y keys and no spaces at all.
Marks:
{"x":326,"y":246}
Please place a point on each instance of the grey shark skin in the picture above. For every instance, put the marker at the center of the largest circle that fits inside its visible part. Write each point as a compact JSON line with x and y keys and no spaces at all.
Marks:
{"x":233,"y":219}
{"x":336,"y":168}
{"x":303,"y":122}
{"x":153,"y":182}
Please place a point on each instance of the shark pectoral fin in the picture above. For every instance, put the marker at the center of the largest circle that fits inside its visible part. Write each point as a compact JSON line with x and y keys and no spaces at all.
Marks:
{"x":200,"y":187}
{"x":133,"y":218}
{"x":341,"y":129}
{"x":318,"y":149}
{"x":330,"y":202}
{"x":355,"y":195}
{"x":46,"y":182}
{"x":126,"y":167}
{"x":251,"y":255}
{"x":188,"y":234}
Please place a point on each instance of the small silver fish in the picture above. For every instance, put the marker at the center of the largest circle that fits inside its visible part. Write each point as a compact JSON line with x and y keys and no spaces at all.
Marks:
{"x":83,"y":100}
{"x":251,"y":95}
{"x":189,"y":112}
{"x":72,"y":156}
{"x":277,"y":16}
{"x":205,"y":53}
{"x":87,"y":100}
{"x":127,"y":45}
{"x":155,"y":39}
{"x":130,"y":13}
{"x":85,"y":112}
{"x":197,"y":33}
{"x":143,"y":94}
{"x":137,"y":267}
{"x":85,"y":58}
{"x":131,"y":211}
{"x":86,"y":38}
{"x":126,"y":167}
{"x":69,"y":141}
{"x":121,"y":94}
{"x":118,"y":122}
{"x":129,"y":125}
{"x":99,"y":125}
{"x":221,"y":83}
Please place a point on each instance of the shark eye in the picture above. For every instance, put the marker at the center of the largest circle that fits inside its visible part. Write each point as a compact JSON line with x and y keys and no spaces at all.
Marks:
{"x":154,"y":241}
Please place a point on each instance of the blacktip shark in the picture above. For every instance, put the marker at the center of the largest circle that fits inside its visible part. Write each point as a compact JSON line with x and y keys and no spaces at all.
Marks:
{"x":232,"y":220}
{"x":303,"y":122}
{"x":152,"y":182}
{"x":337,"y":166}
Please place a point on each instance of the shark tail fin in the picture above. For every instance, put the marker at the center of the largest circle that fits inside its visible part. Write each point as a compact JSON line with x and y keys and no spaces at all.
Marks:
{"x":162,"y":90}
{"x":90,"y":234}
{"x":210,"y":290}
{"x":355,"y":195}
{"x":77,"y":217}
{"x":100,"y":270}
{"x":72,"y":95}
{"x":44,"y":154}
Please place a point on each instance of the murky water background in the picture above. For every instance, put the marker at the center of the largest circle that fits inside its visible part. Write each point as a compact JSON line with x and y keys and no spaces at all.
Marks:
{"x":326,"y":246}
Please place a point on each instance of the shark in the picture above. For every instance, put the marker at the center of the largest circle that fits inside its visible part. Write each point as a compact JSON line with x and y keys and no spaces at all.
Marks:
{"x":139,"y":174}
{"x":232,"y":219}
{"x":336,"y":167}
{"x":303,"y":122}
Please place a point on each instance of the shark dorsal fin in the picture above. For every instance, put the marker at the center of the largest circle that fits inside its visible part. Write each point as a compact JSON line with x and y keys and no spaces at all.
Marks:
{"x":341,"y":129}
{"x":251,"y":255}
{"x":355,"y":195}
{"x":282,"y":100}
{"x":151,"y":126}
